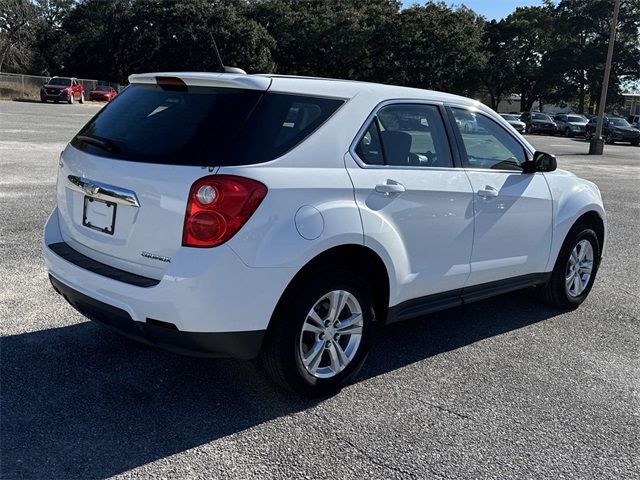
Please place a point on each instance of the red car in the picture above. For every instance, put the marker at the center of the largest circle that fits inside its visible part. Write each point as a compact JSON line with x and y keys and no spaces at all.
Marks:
{"x":102,"y":93}
{"x":62,"y":89}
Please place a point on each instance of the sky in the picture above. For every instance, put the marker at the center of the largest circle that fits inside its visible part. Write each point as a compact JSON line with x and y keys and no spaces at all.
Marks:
{"x":491,"y":9}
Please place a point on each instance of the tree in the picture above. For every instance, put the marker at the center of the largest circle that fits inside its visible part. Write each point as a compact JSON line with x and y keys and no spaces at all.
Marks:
{"x":438,"y":48}
{"x":340,"y":39}
{"x":16,"y":25}
{"x":498,"y":76}
{"x":529,"y":31}
{"x":582,"y":40}
{"x":50,"y":36}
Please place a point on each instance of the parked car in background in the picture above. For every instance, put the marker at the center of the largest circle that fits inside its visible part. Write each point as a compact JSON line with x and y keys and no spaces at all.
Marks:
{"x":62,"y":89}
{"x":634,"y":120}
{"x":571,"y":124}
{"x":538,"y":122}
{"x":221,"y":214}
{"x":614,"y":129}
{"x":514,"y":121}
{"x":467,"y":122}
{"x":102,"y":93}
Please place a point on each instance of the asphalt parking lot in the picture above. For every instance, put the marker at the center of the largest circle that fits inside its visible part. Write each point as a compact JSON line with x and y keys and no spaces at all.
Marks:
{"x":504,"y":388}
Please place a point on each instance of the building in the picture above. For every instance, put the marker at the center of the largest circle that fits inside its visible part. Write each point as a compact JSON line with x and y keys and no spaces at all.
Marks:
{"x":632,"y":103}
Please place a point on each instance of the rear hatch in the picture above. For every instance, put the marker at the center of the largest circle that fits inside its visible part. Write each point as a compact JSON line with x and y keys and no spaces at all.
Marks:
{"x":124,"y":179}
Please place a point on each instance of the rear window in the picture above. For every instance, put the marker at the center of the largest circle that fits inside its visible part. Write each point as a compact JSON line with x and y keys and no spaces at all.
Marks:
{"x":202,"y":126}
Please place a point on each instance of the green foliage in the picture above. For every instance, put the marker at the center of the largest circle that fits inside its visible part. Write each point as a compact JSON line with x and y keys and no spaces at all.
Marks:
{"x":555,"y":52}
{"x":438,"y":48}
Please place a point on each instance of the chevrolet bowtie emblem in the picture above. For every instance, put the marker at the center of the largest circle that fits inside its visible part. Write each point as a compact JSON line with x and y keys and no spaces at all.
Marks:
{"x":90,"y":189}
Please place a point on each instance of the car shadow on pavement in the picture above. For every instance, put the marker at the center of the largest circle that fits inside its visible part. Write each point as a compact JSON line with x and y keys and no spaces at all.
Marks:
{"x":82,"y":402}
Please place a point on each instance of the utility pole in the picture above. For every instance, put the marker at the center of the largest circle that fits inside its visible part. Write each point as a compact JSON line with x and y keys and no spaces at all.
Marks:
{"x":596,"y":146}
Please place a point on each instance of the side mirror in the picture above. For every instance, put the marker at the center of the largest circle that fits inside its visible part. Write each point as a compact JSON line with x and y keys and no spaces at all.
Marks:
{"x":542,"y":162}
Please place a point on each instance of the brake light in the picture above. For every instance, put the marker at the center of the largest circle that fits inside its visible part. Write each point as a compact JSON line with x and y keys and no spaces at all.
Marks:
{"x":218,"y":206}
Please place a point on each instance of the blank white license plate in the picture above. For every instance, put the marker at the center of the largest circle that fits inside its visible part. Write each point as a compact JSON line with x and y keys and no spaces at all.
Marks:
{"x":99,"y":215}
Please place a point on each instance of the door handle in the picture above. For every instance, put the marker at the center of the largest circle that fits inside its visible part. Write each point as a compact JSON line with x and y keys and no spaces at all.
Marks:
{"x":488,"y":192}
{"x":390,"y":187}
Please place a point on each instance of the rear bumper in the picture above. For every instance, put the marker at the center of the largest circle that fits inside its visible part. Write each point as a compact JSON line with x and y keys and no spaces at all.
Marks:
{"x":206,"y":296}
{"x":245,"y":345}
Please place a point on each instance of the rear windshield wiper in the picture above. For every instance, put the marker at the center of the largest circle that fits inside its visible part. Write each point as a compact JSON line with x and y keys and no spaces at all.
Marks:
{"x":103,"y":144}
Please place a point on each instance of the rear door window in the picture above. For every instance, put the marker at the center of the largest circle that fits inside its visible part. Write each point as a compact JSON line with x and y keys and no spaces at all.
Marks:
{"x":202,"y":126}
{"x":406,"y":135}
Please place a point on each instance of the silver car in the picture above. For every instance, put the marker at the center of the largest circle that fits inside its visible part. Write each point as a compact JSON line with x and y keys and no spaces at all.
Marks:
{"x":514,"y":121}
{"x":571,"y":124}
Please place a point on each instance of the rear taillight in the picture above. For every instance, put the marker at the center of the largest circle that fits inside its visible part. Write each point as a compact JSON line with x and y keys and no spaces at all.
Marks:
{"x":217,"y":208}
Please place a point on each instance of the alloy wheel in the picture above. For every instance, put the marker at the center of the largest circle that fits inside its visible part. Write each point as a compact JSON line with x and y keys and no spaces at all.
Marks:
{"x":331,"y":334}
{"x":579,"y":268}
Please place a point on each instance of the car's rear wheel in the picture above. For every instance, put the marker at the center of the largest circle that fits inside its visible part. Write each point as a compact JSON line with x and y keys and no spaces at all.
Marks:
{"x":567,"y":132}
{"x":575,"y":269}
{"x":71,"y":99}
{"x":587,"y":135}
{"x":609,"y":138}
{"x":82,"y":98}
{"x":320,"y":333}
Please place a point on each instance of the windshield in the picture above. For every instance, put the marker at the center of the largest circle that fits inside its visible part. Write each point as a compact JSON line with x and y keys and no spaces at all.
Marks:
{"x":60,"y":81}
{"x":577,"y":119}
{"x":619,"y":122}
{"x":202,"y":126}
{"x":540,"y":116}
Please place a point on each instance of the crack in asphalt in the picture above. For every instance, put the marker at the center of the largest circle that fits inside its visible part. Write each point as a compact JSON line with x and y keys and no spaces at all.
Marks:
{"x":376,"y":461}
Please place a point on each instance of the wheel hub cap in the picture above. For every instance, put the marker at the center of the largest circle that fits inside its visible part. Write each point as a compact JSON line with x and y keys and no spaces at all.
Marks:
{"x":331,"y":334}
{"x":579,"y":268}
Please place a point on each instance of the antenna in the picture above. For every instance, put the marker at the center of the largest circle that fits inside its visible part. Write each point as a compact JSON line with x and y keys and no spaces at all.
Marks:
{"x":224,"y":69}
{"x":215,"y":47}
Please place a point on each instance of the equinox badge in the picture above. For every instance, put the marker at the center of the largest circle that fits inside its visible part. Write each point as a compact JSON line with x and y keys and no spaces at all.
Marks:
{"x":153,"y":256}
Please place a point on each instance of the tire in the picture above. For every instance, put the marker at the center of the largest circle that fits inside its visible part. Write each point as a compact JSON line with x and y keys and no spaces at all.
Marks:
{"x":567,"y":133}
{"x":635,"y":143}
{"x":556,"y":292}
{"x":608,"y":139}
{"x":81,"y":98}
{"x":587,"y":135}
{"x":286,"y":342}
{"x":43,"y":100}
{"x":71,"y":99}
{"x":527,"y":129}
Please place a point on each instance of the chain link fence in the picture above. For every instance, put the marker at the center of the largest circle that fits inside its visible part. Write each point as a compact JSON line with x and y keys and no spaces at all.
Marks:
{"x":27,"y":87}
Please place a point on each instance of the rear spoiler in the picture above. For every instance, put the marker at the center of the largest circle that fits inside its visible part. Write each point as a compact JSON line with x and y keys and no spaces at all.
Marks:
{"x":196,"y":79}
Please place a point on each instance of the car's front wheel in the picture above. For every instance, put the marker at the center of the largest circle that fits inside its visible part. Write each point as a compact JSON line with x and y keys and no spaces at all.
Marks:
{"x":575,"y":269}
{"x":320,"y":333}
{"x":567,"y":133}
{"x":609,"y":138}
{"x":82,"y":98}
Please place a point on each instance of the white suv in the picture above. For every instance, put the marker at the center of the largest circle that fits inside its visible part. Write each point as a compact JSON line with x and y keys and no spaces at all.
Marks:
{"x":284,"y":217}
